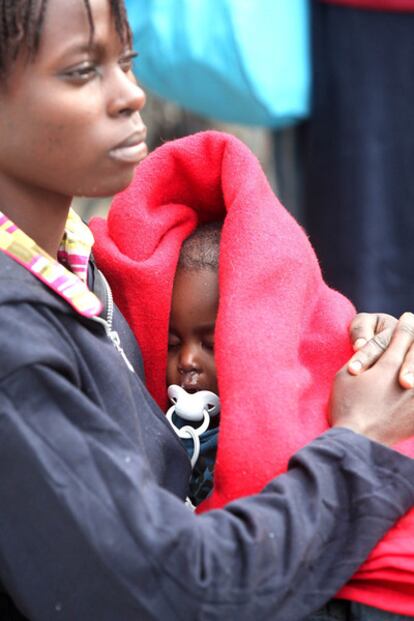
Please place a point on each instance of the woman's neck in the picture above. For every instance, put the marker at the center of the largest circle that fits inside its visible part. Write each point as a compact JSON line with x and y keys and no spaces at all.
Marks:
{"x":40,"y":214}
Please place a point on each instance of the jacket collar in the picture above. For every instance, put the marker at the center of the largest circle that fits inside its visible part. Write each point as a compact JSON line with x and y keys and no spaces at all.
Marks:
{"x":67,"y":285}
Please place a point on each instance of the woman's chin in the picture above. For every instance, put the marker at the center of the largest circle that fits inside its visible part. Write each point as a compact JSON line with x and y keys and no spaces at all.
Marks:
{"x":109,"y":186}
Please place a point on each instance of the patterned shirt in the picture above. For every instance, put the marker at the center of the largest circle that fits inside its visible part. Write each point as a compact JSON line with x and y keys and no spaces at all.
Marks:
{"x":74,"y":252}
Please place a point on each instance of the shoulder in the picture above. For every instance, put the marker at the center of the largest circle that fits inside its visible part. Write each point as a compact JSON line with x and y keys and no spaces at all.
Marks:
{"x":28,"y":337}
{"x":29,"y":328}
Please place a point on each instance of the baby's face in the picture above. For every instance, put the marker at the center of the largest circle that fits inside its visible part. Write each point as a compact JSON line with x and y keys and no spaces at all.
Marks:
{"x":194,"y":307}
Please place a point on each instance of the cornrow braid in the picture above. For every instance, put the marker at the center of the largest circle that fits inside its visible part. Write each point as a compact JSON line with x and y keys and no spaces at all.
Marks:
{"x":21,"y":24}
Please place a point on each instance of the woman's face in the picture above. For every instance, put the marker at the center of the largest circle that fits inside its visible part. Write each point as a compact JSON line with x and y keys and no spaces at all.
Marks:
{"x":69,"y":119}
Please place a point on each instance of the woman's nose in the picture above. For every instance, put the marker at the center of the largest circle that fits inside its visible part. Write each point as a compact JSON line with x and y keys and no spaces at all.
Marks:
{"x":126,"y":96}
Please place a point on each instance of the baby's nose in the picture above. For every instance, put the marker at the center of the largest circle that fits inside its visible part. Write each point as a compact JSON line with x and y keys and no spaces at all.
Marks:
{"x":190,"y":374}
{"x":188,"y":362}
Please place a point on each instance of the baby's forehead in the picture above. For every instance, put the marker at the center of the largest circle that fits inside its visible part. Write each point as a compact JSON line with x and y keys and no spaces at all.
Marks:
{"x":195,"y":277}
{"x":195,"y":293}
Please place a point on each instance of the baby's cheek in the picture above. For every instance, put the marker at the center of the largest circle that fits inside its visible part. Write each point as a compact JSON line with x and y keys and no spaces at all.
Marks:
{"x":211,"y":366}
{"x":171,"y":370}
{"x":212,"y":363}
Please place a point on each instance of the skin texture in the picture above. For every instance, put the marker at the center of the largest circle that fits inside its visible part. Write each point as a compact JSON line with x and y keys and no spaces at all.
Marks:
{"x":194,"y":307}
{"x":371,"y":334}
{"x":60,"y":116}
{"x":374,"y":403}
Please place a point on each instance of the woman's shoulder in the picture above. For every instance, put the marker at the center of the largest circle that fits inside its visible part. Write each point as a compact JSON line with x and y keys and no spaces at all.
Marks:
{"x":27,"y":336}
{"x":18,"y":285}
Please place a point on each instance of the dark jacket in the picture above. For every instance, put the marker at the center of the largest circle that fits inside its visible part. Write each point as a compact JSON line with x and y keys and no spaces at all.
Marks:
{"x":92,"y":522}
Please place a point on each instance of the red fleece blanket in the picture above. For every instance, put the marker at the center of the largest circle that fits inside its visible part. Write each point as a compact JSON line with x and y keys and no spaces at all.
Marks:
{"x":281,"y":332}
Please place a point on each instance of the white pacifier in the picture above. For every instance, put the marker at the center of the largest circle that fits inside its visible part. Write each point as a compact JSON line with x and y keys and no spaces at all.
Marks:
{"x":195,"y":407}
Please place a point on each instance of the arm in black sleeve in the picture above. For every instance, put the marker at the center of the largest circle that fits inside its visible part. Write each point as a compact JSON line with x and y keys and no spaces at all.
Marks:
{"x":86,"y":533}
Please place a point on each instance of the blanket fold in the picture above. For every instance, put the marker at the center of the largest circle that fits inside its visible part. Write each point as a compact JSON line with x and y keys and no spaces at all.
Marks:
{"x":281,"y":332}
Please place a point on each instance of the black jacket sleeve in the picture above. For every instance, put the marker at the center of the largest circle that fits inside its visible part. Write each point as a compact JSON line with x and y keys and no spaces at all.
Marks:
{"x":87,"y":534}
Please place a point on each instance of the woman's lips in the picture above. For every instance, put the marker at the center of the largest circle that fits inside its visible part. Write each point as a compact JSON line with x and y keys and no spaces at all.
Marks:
{"x":132,"y":150}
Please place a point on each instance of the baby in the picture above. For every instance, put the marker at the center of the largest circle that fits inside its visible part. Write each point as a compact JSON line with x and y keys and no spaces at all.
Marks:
{"x":191,"y":363}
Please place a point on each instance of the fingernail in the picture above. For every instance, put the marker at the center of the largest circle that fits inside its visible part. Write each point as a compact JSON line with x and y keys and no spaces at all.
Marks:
{"x":409,"y":378}
{"x":359,"y":343}
{"x":355,"y":366}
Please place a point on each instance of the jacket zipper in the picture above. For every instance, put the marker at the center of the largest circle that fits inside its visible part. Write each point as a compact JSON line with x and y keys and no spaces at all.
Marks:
{"x":107,"y":324}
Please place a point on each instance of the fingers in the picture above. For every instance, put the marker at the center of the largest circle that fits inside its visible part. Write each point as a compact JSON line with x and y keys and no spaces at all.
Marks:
{"x":362,"y":329}
{"x":374,"y":403}
{"x":406,"y":376}
{"x":401,"y":343}
{"x":370,"y":334}
{"x":365,"y":326}
{"x":369,"y":353}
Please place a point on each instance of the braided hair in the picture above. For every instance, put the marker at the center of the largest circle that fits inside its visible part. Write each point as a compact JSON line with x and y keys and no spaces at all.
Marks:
{"x":21,"y":24}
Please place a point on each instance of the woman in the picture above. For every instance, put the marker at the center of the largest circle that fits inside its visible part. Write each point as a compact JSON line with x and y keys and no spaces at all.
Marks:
{"x":93,"y":521}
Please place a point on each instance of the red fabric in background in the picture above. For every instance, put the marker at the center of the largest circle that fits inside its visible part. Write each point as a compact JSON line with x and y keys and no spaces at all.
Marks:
{"x":281,"y":333}
{"x":379,"y":5}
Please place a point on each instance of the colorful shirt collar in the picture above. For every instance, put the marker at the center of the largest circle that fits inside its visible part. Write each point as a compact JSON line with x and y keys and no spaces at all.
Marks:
{"x":74,"y":253}
{"x":76,"y":245}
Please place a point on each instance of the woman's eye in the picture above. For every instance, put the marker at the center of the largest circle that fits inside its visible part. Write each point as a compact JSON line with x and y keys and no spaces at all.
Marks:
{"x":82,"y":73}
{"x":126,"y":65}
{"x":126,"y":61}
{"x":209,"y":345}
